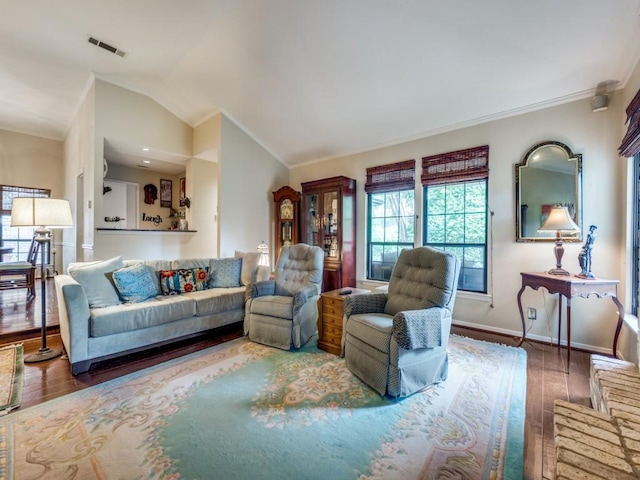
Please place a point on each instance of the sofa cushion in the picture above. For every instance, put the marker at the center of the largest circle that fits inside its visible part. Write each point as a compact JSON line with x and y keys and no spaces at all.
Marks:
{"x":97,"y":282}
{"x":135,"y":316}
{"x":249,"y":271}
{"x":134,"y":283}
{"x":225,"y":272}
{"x":218,"y":300}
{"x":183,"y":280}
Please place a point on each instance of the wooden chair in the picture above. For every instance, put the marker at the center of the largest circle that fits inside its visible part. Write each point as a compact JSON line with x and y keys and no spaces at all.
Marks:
{"x":21,"y":274}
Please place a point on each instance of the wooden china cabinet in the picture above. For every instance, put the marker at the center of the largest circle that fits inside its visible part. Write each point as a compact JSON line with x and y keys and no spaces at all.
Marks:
{"x":287,"y":206}
{"x":329,"y":221}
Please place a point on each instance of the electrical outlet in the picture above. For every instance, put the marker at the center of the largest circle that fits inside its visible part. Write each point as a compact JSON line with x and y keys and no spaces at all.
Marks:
{"x":531,"y":313}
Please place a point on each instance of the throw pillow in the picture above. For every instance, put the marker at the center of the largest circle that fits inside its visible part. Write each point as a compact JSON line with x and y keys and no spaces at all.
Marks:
{"x":135,"y":283}
{"x":183,"y":280}
{"x":225,"y":272}
{"x":97,"y":282}
{"x":250,"y":261}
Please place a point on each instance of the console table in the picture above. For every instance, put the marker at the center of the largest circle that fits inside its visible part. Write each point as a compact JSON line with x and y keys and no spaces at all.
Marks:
{"x":571,"y":286}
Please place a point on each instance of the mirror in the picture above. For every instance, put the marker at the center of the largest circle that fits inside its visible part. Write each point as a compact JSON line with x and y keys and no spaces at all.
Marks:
{"x":549,"y":174}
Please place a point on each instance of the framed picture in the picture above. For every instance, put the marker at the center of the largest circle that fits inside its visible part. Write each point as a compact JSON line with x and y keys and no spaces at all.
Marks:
{"x":182,"y":192}
{"x":165,"y":193}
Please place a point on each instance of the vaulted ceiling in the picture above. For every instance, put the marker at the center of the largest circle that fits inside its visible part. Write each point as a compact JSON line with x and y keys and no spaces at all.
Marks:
{"x":315,"y":79}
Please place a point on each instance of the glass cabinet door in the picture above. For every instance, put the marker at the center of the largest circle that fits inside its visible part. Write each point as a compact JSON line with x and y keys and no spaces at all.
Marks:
{"x":330,"y":222}
{"x":312,"y":220}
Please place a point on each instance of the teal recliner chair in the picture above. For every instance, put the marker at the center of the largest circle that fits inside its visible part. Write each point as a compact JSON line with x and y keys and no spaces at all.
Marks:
{"x":396,"y":342}
{"x":283,"y":312}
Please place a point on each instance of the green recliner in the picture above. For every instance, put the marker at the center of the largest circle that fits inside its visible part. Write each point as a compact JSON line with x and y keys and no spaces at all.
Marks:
{"x":396,"y":342}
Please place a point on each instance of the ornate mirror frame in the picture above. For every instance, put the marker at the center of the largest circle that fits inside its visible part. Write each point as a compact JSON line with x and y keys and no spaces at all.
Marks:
{"x":549,"y":174}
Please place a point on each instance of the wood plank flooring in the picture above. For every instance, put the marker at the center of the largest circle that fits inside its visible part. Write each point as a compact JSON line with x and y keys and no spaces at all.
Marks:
{"x":547,"y":379}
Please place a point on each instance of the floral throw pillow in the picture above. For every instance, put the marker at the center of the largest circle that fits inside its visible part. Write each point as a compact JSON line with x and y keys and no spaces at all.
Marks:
{"x":183,"y":280}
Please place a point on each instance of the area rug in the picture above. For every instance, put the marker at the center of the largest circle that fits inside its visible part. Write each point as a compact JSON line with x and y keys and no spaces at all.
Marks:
{"x":11,"y":377}
{"x":241,"y":410}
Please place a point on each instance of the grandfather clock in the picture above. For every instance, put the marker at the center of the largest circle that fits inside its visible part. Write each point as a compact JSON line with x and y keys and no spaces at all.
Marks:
{"x":287,"y":228}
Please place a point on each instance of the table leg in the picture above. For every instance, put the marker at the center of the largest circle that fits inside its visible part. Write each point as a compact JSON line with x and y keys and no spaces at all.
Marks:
{"x":524,"y":328}
{"x":568,"y":334}
{"x":619,"y":326}
{"x":559,"y":318}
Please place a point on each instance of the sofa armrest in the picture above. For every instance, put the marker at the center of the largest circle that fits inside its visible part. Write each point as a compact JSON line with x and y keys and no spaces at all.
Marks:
{"x":74,"y":316}
{"x":364,"y":303}
{"x":260,"y":289}
{"x":419,"y":328}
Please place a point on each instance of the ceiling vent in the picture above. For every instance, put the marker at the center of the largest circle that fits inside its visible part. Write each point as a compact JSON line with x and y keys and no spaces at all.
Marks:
{"x":106,"y":46}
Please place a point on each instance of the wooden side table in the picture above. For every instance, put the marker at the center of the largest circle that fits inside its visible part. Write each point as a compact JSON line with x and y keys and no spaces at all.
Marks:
{"x":571,"y":286}
{"x":330,"y":315}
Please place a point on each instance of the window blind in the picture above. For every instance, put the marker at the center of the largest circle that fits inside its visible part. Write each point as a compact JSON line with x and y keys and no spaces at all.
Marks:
{"x":453,"y":167}
{"x":391,"y":177}
{"x":630,"y":145}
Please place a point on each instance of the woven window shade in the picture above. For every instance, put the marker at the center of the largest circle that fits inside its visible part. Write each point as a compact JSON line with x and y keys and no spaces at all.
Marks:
{"x":455,"y":167}
{"x":391,"y":177}
{"x":630,"y":145}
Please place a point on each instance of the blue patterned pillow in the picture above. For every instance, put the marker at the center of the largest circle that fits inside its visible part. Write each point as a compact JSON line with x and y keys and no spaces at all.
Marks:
{"x":225,"y":272}
{"x":135,"y":283}
{"x":183,"y":280}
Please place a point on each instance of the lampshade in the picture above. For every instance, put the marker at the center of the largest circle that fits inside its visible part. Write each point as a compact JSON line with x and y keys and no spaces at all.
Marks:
{"x":41,"y":212}
{"x":263,"y":248}
{"x":559,"y":220}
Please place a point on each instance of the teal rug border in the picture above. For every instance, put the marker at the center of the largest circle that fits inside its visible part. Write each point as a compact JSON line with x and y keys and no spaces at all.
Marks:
{"x":514,"y":453}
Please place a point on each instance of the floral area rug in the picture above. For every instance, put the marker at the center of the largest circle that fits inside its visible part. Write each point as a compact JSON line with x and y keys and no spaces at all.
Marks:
{"x":11,"y":377}
{"x":241,"y":410}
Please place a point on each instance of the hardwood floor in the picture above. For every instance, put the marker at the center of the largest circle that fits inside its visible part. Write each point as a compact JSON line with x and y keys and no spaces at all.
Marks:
{"x":546,"y":367}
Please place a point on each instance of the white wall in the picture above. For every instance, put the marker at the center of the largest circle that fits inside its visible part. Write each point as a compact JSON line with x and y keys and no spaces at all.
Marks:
{"x":36,"y":162}
{"x":248,"y":176}
{"x":596,"y":137}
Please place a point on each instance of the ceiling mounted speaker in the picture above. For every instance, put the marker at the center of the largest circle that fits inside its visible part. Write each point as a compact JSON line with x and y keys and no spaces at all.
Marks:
{"x":599,"y":103}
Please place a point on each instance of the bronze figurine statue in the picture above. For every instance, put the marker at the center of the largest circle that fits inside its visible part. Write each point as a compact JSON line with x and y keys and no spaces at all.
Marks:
{"x":584,"y":257}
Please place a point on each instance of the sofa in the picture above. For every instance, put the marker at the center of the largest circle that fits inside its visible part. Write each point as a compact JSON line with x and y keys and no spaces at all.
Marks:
{"x":113,"y":307}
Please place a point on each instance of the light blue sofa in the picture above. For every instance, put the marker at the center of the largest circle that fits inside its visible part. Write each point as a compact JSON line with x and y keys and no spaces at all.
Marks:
{"x":94,"y":334}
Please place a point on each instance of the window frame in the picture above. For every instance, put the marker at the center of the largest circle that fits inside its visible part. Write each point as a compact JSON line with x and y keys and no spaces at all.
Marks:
{"x":387,"y":179}
{"x":454,"y":168}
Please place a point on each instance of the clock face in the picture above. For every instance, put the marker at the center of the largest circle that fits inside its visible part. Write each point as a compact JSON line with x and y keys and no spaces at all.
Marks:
{"x":286,"y":209}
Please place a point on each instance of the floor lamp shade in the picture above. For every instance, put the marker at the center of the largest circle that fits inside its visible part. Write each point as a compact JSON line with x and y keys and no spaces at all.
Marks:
{"x":44,"y":213}
{"x":41,"y":212}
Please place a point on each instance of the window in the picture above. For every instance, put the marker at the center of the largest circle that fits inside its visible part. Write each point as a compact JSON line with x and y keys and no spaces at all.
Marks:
{"x":18,"y":238}
{"x":391,"y":216}
{"x":455,"y":210}
{"x":630,"y":147}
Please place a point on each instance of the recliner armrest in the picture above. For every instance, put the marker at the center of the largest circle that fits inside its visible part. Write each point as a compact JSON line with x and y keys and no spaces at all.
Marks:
{"x":302,"y":296}
{"x":260,"y":289}
{"x":364,"y":303}
{"x":419,"y":328}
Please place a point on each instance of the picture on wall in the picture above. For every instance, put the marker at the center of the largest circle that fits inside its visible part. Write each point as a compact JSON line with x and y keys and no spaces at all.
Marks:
{"x":165,"y":193}
{"x":182,"y":192}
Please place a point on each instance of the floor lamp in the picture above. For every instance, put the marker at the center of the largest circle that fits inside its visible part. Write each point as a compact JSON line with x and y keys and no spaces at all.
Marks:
{"x":44,"y":213}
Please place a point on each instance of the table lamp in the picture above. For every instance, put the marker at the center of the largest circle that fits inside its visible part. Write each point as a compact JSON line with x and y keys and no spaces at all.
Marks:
{"x":559,"y":221}
{"x":44,"y":213}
